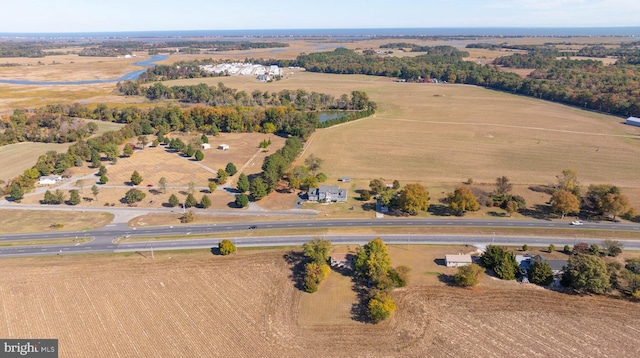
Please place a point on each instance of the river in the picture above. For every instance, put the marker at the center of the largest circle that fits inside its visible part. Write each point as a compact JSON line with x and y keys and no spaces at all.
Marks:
{"x":150,"y":62}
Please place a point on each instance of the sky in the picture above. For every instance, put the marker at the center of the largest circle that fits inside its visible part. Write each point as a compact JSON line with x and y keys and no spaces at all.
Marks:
{"x":164,"y":15}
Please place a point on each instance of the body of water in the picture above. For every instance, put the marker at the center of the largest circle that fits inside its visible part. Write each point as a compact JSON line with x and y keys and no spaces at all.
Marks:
{"x":327,"y":116}
{"x":150,"y":62}
{"x":631,"y":31}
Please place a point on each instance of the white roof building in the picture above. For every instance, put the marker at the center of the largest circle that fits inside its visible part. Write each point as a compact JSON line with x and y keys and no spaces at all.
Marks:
{"x":223,"y":146}
{"x":457,"y":260}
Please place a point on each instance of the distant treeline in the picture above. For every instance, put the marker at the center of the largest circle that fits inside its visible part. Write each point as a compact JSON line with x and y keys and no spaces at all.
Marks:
{"x":119,"y":48}
{"x":27,"y":49}
{"x":430,"y":50}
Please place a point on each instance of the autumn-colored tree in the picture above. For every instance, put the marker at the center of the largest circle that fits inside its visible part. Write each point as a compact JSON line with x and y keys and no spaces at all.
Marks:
{"x":468,"y":275}
{"x":511,"y":207}
{"x":564,"y":202}
{"x":381,"y":306}
{"x":226,"y":247}
{"x":413,"y":199}
{"x":568,"y":181}
{"x":463,"y":200}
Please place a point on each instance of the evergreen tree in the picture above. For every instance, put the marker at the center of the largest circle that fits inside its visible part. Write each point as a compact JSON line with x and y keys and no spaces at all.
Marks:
{"x":205,"y":202}
{"x":173,"y":200}
{"x":243,"y":184}
{"x":74,"y":197}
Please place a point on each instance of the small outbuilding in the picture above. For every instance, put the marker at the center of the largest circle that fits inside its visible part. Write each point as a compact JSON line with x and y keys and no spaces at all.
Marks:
{"x":457,"y":260}
{"x":345,"y":179}
{"x":206,"y":146}
{"x":223,"y":147}
{"x":634,"y":121}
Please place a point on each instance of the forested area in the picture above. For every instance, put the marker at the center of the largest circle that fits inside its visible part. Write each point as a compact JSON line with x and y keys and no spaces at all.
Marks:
{"x":119,"y":48}
{"x":43,"y":127}
{"x":28,"y":49}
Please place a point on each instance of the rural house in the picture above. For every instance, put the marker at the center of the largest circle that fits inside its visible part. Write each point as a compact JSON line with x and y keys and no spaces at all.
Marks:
{"x":49,"y":179}
{"x":457,"y":260}
{"x":525,"y":262}
{"x":327,"y":193}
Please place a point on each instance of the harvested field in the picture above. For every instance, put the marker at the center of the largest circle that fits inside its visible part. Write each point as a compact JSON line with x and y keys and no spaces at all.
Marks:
{"x":246,"y":305}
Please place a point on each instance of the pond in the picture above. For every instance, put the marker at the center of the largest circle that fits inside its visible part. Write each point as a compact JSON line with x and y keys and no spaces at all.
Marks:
{"x":150,"y":62}
{"x":327,"y":116}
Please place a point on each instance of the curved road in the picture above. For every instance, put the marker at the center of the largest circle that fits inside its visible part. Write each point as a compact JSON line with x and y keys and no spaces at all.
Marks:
{"x":103,"y":238}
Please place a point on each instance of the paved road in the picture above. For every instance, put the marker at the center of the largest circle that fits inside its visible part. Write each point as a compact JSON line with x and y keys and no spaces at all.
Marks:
{"x":103,"y":238}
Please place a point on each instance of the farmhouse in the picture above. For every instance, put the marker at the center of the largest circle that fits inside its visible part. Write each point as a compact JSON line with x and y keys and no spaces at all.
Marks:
{"x":340,"y":260}
{"x":327,"y":193}
{"x":206,"y":146}
{"x":457,"y":260}
{"x":49,"y":179}
{"x":525,"y":262}
{"x":223,"y":147}
{"x":634,"y":121}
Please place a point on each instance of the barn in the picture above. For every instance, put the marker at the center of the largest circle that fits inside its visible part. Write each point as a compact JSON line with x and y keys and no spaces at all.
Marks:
{"x":634,"y":121}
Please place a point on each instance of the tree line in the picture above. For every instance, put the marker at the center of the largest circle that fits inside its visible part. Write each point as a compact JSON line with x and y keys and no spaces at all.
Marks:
{"x":118,"y":48}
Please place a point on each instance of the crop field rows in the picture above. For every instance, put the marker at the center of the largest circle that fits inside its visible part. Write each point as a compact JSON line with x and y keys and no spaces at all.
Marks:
{"x":246,"y":305}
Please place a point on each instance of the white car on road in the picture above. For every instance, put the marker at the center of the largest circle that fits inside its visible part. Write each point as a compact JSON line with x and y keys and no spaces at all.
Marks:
{"x":577,"y":223}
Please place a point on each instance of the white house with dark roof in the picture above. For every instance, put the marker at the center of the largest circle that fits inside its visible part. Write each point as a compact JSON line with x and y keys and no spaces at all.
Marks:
{"x":328,"y":193}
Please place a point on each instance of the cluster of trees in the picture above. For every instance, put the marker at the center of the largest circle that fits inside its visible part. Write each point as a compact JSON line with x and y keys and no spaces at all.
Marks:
{"x":501,"y":261}
{"x":373,"y":266}
{"x":274,"y":168}
{"x":190,"y":201}
{"x":600,"y":200}
{"x":410,"y":200}
{"x":29,"y":49}
{"x":58,"y":197}
{"x":305,"y":177}
{"x":445,"y":51}
{"x":502,"y":197}
{"x":43,"y":127}
{"x":316,"y":268}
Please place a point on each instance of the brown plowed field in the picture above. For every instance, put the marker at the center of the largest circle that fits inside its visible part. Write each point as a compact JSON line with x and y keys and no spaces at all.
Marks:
{"x":198,"y":305}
